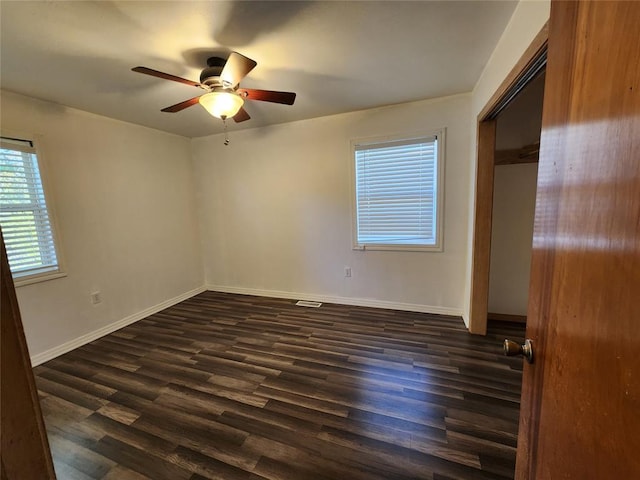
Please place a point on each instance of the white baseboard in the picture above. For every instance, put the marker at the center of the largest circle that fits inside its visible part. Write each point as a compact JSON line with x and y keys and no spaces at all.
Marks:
{"x":465,"y":319}
{"x":360,"y":302}
{"x":112,"y":327}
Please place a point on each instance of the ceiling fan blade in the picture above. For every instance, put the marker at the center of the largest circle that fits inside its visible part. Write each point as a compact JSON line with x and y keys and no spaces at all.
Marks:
{"x":241,"y":116}
{"x":166,"y":76}
{"x":181,"y":106}
{"x":235,"y":69}
{"x":286,"y":98}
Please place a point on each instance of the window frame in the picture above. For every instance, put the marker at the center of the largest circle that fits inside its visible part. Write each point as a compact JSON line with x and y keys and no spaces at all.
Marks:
{"x":59,"y":272}
{"x":440,"y":135}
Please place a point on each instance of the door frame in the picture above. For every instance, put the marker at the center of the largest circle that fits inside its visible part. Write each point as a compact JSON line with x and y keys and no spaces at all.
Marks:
{"x":24,"y":449}
{"x":528,"y":66}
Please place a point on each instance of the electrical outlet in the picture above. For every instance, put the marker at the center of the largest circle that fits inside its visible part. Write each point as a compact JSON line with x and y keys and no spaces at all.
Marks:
{"x":96,"y":298}
{"x":347,"y":271}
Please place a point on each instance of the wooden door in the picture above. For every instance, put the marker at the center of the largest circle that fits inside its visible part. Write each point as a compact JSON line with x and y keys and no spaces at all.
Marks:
{"x":580,"y":414}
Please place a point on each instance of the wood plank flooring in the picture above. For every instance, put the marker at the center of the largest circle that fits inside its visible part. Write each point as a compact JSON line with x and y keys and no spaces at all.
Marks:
{"x":236,"y":387}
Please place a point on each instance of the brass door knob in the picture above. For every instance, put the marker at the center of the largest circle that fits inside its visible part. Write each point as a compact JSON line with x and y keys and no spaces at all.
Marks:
{"x":512,"y":349}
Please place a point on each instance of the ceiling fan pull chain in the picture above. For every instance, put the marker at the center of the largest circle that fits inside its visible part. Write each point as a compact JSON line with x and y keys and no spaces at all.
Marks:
{"x":226,"y":134}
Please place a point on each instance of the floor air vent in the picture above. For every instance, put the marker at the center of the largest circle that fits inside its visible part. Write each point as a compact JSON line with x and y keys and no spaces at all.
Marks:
{"x":306,"y":303}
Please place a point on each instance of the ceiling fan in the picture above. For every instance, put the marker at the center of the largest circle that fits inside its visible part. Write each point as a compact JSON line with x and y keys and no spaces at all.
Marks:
{"x":221,"y":81}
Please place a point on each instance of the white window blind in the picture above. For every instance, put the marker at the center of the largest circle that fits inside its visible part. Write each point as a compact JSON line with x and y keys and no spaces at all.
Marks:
{"x":26,"y":226}
{"x":397,"y":192}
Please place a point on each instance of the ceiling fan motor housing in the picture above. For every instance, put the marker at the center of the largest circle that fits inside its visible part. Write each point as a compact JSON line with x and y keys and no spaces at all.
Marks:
{"x":210,"y":76}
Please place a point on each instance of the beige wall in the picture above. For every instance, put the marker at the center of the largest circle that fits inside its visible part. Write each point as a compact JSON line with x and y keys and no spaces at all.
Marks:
{"x":275,"y":210}
{"x":527,"y":20}
{"x":514,"y":198}
{"x":123,"y":195}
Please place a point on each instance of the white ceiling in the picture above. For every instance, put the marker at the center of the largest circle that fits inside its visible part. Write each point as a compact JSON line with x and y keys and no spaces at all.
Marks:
{"x":337,"y":56}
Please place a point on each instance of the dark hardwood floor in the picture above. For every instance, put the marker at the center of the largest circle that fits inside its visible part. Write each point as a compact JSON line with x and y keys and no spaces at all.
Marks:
{"x":237,"y":387}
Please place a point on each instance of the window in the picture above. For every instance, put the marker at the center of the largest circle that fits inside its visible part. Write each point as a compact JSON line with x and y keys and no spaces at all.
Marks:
{"x":398,"y":193}
{"x":25,"y":220}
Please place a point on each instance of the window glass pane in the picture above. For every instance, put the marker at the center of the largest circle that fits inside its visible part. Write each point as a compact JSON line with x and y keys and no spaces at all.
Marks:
{"x":26,"y":226}
{"x":396,"y":192}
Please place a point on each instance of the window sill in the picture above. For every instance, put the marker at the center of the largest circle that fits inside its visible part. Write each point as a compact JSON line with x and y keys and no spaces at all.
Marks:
{"x":43,"y":277}
{"x":400,"y":248}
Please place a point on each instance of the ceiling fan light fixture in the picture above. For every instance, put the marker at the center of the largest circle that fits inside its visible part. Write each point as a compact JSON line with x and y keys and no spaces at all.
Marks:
{"x":221,"y":81}
{"x":221,"y":104}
